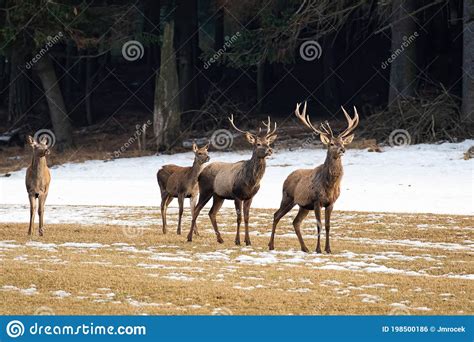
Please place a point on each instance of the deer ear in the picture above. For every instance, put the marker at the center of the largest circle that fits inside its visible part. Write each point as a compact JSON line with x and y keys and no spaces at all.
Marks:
{"x":271,"y":139}
{"x":347,"y":140}
{"x":207,"y":146}
{"x":30,"y":141}
{"x":195,"y":147}
{"x":324,"y":139}
{"x":250,"y":138}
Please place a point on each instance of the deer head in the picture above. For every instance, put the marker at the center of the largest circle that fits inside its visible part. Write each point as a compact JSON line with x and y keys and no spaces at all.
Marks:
{"x":40,"y":149}
{"x":335,"y":145}
{"x":200,"y":153}
{"x":261,"y":144}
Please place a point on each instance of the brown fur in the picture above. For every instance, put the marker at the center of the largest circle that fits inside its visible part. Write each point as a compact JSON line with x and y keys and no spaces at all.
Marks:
{"x":312,"y":189}
{"x":238,"y":181}
{"x":181,"y":182}
{"x":37,"y":182}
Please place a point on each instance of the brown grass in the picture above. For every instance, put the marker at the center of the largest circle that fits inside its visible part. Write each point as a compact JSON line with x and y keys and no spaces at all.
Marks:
{"x":163,"y":274}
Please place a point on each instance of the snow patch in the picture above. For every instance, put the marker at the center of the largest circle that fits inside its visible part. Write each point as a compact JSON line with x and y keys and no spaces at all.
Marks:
{"x":415,"y":182}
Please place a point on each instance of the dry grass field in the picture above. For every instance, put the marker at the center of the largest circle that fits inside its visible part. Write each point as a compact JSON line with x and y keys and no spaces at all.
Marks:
{"x":381,"y":264}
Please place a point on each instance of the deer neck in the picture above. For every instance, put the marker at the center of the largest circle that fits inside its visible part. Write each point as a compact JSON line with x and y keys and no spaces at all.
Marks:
{"x":332,"y":171}
{"x":195,"y":170}
{"x":39,"y":169}
{"x":253,"y":170}
{"x":38,"y":165}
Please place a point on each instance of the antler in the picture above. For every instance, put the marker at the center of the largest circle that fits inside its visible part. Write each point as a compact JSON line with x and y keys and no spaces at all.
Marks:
{"x":231,"y":119}
{"x":327,"y":128}
{"x":268,"y":125}
{"x":304,"y":118}
{"x":351,"y":123}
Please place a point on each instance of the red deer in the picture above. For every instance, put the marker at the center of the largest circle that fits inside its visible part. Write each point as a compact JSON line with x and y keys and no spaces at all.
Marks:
{"x":238,"y":181}
{"x":312,"y":189}
{"x":37,"y":181}
{"x":181,"y":182}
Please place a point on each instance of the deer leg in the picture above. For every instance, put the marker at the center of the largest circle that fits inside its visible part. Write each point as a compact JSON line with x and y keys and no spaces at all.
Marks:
{"x":216,"y":205}
{"x":286,"y":205}
{"x":41,"y":201}
{"x":180,"y":214}
{"x":166,"y":200}
{"x":317,"y":213}
{"x":247,"y":204}
{"x":238,"y":210}
{"x":302,"y":213}
{"x":327,"y":219}
{"x":32,"y":213}
{"x":203,"y":199}
{"x":192,"y":202}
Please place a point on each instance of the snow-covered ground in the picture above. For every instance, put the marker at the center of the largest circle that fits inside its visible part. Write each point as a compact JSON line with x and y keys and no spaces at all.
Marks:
{"x":415,"y":179}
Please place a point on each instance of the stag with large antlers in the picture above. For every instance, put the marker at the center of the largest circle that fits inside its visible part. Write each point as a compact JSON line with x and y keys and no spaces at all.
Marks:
{"x":312,"y":189}
{"x":238,"y":181}
{"x":37,"y":181}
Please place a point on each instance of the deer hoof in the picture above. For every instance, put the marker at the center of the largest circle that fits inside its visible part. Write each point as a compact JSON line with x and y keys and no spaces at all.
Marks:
{"x":327,"y":250}
{"x":271,"y":247}
{"x":220,"y":240}
{"x":318,"y":250}
{"x":41,"y":234}
{"x":178,"y":232}
{"x":305,"y":249}
{"x":190,"y":238}
{"x":237,"y":242}
{"x":248,"y":243}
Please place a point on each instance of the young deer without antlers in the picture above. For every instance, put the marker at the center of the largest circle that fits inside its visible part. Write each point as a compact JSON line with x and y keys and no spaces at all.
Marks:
{"x":312,"y":189}
{"x":238,"y":181}
{"x":181,"y":182}
{"x":37,"y":181}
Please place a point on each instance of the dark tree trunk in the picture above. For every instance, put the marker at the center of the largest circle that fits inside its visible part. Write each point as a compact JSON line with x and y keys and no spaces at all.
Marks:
{"x":152,"y":27}
{"x":3,"y":65}
{"x":88,"y":91}
{"x":3,"y":78}
{"x":19,"y":97}
{"x":468,"y":62}
{"x":403,"y":68}
{"x":331,"y":87}
{"x":260,"y":85}
{"x":186,"y":45}
{"x":61,"y":124}
{"x":67,"y":77}
{"x":166,"y":121}
{"x":219,"y":38}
